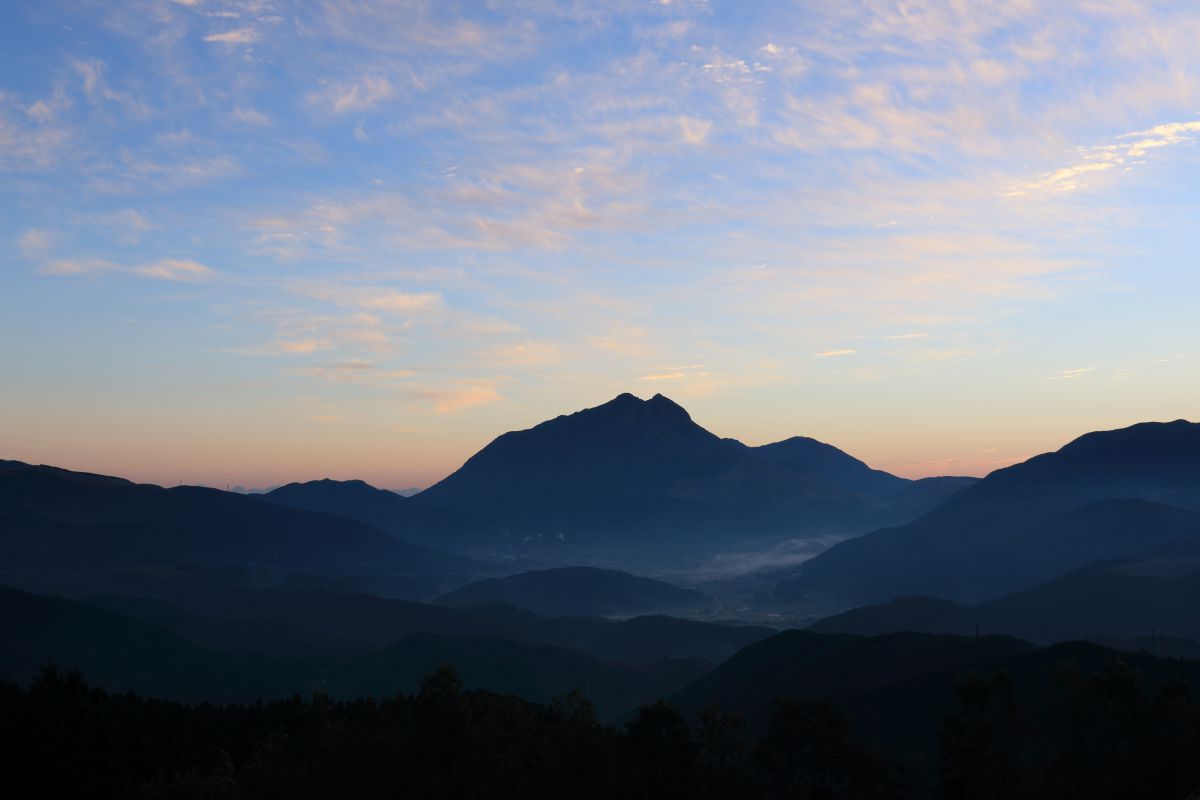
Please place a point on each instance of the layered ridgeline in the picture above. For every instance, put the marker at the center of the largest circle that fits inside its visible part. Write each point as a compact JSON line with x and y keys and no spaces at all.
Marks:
{"x":580,"y":591}
{"x":808,"y":664}
{"x":77,"y":532}
{"x":1119,"y":494}
{"x":1139,"y":604}
{"x":273,"y":643}
{"x":631,"y":476}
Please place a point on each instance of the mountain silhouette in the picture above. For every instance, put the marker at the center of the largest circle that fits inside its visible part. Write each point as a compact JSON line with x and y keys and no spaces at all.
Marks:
{"x":625,"y":452}
{"x":630,"y":477}
{"x":1131,"y":602}
{"x":124,"y":653}
{"x":352,"y":499}
{"x":810,"y":457}
{"x":1111,"y":494}
{"x":56,"y":523}
{"x":235,"y":611}
{"x":579,"y":591}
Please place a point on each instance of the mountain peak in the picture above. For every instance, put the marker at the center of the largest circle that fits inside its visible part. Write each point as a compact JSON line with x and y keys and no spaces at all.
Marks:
{"x":595,"y":458}
{"x":666,"y":404}
{"x":627,"y":400}
{"x":810,"y":456}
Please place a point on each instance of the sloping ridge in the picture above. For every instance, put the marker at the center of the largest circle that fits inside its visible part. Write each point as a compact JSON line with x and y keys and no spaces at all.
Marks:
{"x":56,"y":520}
{"x":799,"y":662}
{"x":642,"y":473}
{"x":1022,"y":525}
{"x":125,"y":654}
{"x":578,"y":591}
{"x":622,"y":451}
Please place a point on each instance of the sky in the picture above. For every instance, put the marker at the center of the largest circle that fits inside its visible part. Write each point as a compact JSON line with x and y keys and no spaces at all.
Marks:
{"x":251,"y":242}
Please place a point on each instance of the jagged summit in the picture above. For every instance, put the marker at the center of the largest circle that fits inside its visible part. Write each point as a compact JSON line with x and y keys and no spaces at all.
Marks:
{"x":621,"y":449}
{"x":642,"y":472}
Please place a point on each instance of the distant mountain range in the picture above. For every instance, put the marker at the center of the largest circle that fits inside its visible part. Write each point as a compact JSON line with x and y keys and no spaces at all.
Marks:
{"x":343,"y":585}
{"x":579,"y":591}
{"x":275,"y":643}
{"x":1115,"y":602}
{"x":58,"y":527}
{"x":1127,"y":493}
{"x":633,"y":476}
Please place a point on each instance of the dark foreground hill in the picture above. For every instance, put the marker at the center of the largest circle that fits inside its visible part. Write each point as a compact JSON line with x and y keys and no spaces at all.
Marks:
{"x":579,"y":591}
{"x":538,"y":674}
{"x":805,"y":663}
{"x":1114,"y":494}
{"x":1069,"y":721}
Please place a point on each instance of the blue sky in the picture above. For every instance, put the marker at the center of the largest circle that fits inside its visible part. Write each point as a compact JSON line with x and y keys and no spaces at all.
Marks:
{"x":251,"y":242}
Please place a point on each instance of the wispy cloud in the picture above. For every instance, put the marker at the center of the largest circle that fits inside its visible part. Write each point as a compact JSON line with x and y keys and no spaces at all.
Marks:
{"x":35,"y":242}
{"x":94,"y":75}
{"x":694,"y":131}
{"x":171,"y":269}
{"x":1129,"y":151}
{"x":168,"y":269}
{"x":251,"y":116}
{"x":525,"y":354}
{"x":301,"y":346}
{"x":460,"y":397}
{"x":372,"y":298}
{"x":413,"y":198}
{"x":404,"y":302}
{"x":1072,"y":374}
{"x":360,"y":95}
{"x":234,"y":36}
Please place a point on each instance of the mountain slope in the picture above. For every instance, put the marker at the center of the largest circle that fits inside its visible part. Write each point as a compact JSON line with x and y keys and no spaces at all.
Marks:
{"x":238,"y":613}
{"x":626,"y":452}
{"x":578,"y":591}
{"x":122,"y":653}
{"x":1111,"y":601}
{"x":1025,"y":524}
{"x":810,"y":457}
{"x":638,"y":476}
{"x":54,"y":521}
{"x":351,"y":499}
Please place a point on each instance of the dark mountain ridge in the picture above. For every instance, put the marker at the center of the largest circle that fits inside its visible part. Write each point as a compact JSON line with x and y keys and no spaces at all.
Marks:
{"x":579,"y":591}
{"x":123,"y":653}
{"x":806,"y":663}
{"x":1104,"y":495}
{"x":54,"y":522}
{"x":633,"y":476}
{"x":1136,"y":601}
